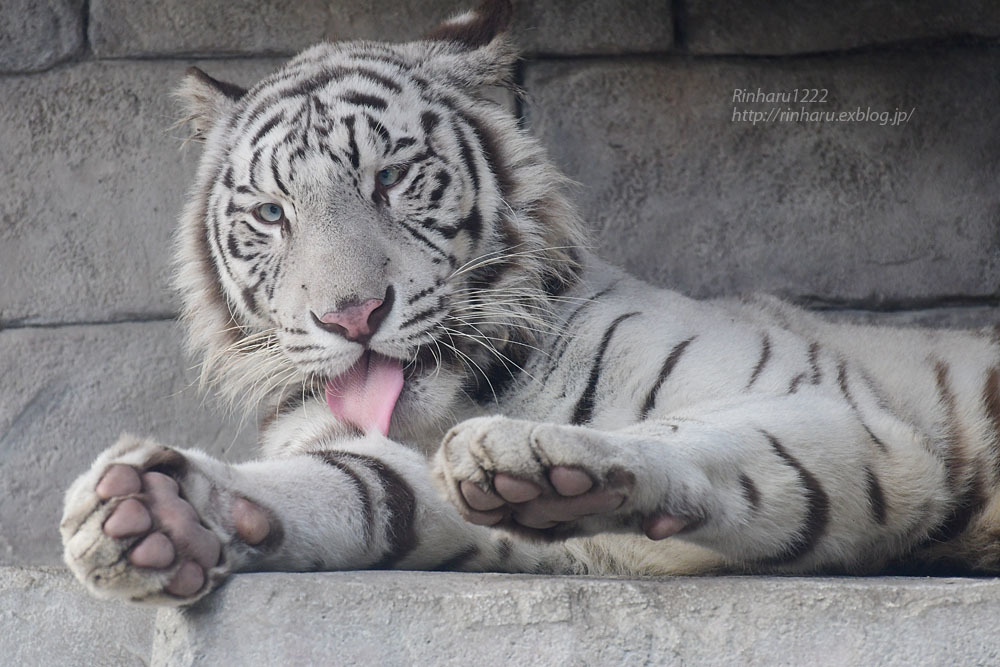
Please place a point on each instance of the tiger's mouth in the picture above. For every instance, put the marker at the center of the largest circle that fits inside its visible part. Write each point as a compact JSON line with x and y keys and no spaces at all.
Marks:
{"x":365,"y":395}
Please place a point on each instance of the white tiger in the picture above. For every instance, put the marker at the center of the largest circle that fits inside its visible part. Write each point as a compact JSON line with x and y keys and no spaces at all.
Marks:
{"x":383,"y":258}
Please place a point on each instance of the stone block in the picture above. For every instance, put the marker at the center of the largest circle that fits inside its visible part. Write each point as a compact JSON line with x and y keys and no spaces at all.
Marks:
{"x":410,"y":618}
{"x":49,"y":619}
{"x":94,"y":181}
{"x":590,"y":27}
{"x":840,"y":212}
{"x":67,"y":394}
{"x":406,"y":618}
{"x":803,"y":26}
{"x":122,"y":28}
{"x":37,"y":34}
{"x":935,"y":318}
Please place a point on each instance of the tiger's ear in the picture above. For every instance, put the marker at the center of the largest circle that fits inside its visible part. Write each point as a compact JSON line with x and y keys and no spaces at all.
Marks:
{"x":473,"y":47}
{"x":205,"y":100}
{"x":477,"y":27}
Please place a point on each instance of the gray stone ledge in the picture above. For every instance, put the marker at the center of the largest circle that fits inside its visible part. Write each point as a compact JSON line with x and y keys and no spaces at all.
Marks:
{"x":811,"y":26}
{"x":593,"y":27}
{"x":407,"y":618}
{"x":49,"y":619}
{"x":204,"y":28}
{"x":68,"y":393}
{"x":938,"y":318}
{"x":852,"y":211}
{"x":37,"y":34}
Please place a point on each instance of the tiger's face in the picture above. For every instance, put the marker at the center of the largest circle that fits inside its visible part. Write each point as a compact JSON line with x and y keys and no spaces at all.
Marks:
{"x":355,"y":208}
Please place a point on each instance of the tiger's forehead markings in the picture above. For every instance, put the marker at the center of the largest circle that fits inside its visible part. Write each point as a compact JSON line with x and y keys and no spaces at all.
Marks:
{"x":268,"y":125}
{"x":354,"y":154}
{"x":301,"y":80}
{"x":383,"y":134}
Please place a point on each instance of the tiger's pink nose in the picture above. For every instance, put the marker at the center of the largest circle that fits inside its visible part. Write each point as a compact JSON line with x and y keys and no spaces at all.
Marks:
{"x":357,"y":321}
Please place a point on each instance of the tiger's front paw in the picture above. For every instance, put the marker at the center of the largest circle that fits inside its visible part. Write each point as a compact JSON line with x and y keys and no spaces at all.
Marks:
{"x":544,"y":480}
{"x":130,"y":529}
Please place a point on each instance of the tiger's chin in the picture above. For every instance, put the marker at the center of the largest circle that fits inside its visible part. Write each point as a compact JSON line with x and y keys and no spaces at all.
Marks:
{"x":408,"y":399}
{"x":425,"y":409}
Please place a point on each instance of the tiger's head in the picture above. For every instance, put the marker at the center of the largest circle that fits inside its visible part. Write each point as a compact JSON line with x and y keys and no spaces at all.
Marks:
{"x":367,"y":225}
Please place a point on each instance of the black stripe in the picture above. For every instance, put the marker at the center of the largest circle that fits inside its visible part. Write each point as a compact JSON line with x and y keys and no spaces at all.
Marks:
{"x":414,"y":183}
{"x":422,"y":315}
{"x":302,"y":87}
{"x":965,"y":478}
{"x":584,"y":409}
{"x":501,"y":372}
{"x":429,"y":122}
{"x":381,"y":56}
{"x":249,"y":229}
{"x":250,"y":297}
{"x":846,"y":391}
{"x":319,"y":106}
{"x":403,"y":142}
{"x":566,"y":338}
{"x":765,"y":355}
{"x":458,"y":561}
{"x":490,"y":274}
{"x":271,"y":123}
{"x":333,"y":458}
{"x":443,"y":180}
{"x":379,"y":78}
{"x":234,"y":247}
{"x":273,"y":283}
{"x":505,"y":548}
{"x":333,"y":156}
{"x":817,"y":375}
{"x":423,"y":239}
{"x":252,"y":170}
{"x":276,"y":175}
{"x":363,"y":100}
{"x":876,"y":497}
{"x":818,"y":512}
{"x":383,"y":134}
{"x":665,"y":370}
{"x":309,"y":85}
{"x":991,"y":404}
{"x":491,"y":153}
{"x":467,"y":156}
{"x":352,"y":144}
{"x":750,"y":492}
{"x":424,"y":292}
{"x":472,"y":224}
{"x":400,"y":502}
{"x":294,"y":349}
{"x":222,"y":265}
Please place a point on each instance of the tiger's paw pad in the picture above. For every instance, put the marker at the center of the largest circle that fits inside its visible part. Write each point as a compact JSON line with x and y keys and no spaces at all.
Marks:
{"x":528,"y":477}
{"x":129,"y":531}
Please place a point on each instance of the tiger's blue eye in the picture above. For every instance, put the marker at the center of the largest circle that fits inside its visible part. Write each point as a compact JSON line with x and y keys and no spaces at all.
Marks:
{"x":389,"y":176}
{"x":269,"y":213}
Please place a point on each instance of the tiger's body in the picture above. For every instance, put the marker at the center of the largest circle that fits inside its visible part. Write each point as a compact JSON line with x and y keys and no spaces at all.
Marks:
{"x":386,"y":262}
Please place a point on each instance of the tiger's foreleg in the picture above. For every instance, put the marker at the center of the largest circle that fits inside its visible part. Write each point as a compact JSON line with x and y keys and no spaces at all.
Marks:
{"x":787,"y":484}
{"x":154,"y":524}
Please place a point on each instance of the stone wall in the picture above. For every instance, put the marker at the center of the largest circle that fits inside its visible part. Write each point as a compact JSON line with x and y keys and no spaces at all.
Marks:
{"x":635,"y":99}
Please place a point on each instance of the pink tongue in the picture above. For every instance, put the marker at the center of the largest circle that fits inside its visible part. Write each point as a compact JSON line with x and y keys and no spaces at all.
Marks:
{"x":365,"y":395}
